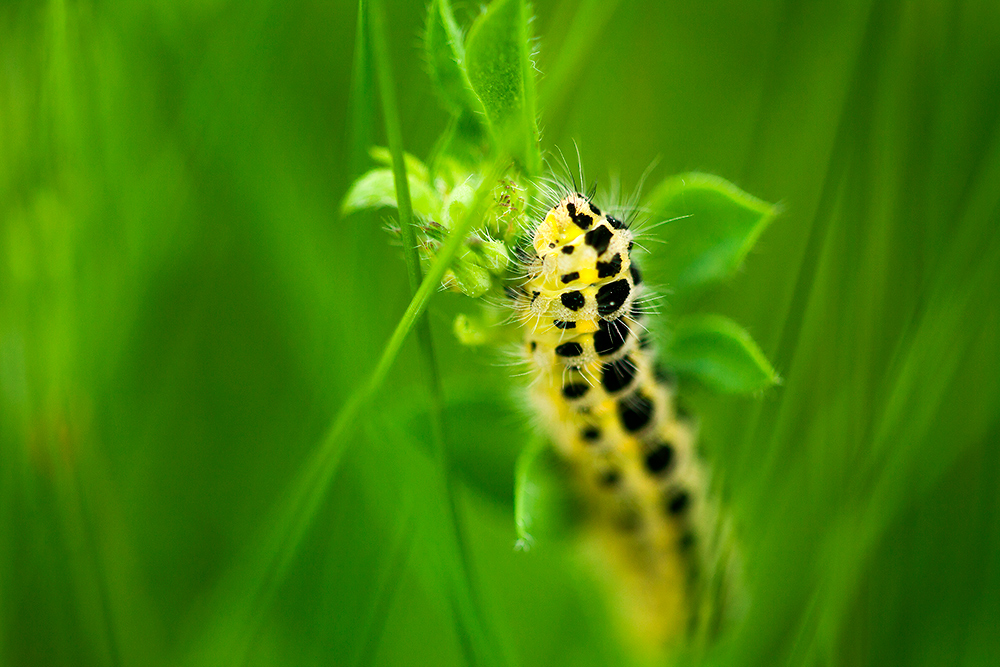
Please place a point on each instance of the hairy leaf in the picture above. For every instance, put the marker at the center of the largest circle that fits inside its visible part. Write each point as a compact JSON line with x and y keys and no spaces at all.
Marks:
{"x":501,"y":74}
{"x":543,"y":506}
{"x":446,"y":60}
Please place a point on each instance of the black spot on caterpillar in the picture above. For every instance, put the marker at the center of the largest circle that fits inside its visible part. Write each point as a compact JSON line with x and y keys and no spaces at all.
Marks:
{"x":609,"y":478}
{"x":677,"y":502}
{"x":610,"y":337}
{"x":598,"y":239}
{"x":571,"y":349}
{"x":611,"y":296}
{"x":610,"y":269}
{"x":575,"y":389}
{"x":618,"y":374}
{"x":581,"y":220}
{"x":635,"y":412}
{"x":572,"y":300}
{"x":659,"y":458}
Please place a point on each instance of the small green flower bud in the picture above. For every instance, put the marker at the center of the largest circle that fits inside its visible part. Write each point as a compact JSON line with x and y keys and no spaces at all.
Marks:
{"x":494,"y":257}
{"x":472,"y":279}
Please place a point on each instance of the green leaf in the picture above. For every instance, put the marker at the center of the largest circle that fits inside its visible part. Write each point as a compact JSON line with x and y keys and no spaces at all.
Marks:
{"x":376,"y":189}
{"x":720,"y":354}
{"x":502,"y":75}
{"x":414,"y":166}
{"x":711,"y":227}
{"x":446,"y":59}
{"x":543,"y":506}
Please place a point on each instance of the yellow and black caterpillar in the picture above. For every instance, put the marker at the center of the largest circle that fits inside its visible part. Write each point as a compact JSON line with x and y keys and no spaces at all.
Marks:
{"x":610,"y":412}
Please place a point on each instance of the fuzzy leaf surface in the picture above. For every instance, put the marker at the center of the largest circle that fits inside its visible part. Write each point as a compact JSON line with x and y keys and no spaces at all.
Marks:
{"x":543,"y":507}
{"x":446,"y":59}
{"x":501,"y":74}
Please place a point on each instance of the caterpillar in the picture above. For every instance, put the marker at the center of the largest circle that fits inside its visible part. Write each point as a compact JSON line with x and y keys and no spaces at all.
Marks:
{"x":662,"y":547}
{"x":610,"y":411}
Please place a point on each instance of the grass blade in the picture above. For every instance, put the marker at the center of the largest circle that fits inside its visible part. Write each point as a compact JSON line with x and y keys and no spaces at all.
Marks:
{"x":382,"y":604}
{"x":362,"y":96}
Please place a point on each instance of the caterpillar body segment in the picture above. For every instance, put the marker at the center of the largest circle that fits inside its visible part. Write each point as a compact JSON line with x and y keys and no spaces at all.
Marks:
{"x":610,"y":412}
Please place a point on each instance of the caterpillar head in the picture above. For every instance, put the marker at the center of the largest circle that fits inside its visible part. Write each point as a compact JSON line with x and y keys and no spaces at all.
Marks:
{"x":565,"y":222}
{"x":582,"y":269}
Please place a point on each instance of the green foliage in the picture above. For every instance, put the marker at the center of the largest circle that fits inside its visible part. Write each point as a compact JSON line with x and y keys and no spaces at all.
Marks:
{"x":183,"y":309}
{"x":445,"y":49}
{"x":362,"y":94}
{"x":717,"y":352}
{"x":376,"y":189}
{"x":710,"y":227}
{"x":543,"y":502}
{"x":500,"y":71}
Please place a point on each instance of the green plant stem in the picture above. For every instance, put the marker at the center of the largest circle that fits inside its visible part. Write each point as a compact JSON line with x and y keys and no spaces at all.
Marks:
{"x":394,"y":137}
{"x":390,"y":113}
{"x":386,"y":592}
{"x":433,"y":277}
{"x":335,"y":441}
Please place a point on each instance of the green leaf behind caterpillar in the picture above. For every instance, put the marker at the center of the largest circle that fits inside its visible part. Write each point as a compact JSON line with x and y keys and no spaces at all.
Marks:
{"x":720,"y":354}
{"x":714,"y":225}
{"x":543,"y":506}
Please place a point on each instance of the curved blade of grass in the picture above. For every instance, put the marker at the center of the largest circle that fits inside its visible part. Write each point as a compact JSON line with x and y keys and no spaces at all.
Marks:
{"x":792,"y":312}
{"x":903,"y":443}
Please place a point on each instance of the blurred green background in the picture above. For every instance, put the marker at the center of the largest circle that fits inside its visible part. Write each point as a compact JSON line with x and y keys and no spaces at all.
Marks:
{"x":183,"y":310}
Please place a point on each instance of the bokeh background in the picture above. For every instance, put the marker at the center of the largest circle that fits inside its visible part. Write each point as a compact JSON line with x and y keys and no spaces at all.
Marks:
{"x":183,"y":310}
